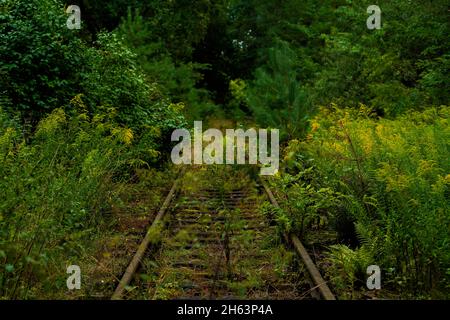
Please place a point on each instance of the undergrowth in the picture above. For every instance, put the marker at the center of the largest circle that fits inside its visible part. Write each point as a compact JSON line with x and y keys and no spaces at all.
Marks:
{"x":383,"y":183}
{"x":56,"y":190}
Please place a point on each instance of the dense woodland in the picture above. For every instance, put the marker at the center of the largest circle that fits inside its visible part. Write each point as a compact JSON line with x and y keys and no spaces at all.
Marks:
{"x":363,"y":115}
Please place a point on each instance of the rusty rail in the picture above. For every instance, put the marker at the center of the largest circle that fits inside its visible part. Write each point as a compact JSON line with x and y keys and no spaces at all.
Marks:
{"x":132,"y":267}
{"x":319,"y":282}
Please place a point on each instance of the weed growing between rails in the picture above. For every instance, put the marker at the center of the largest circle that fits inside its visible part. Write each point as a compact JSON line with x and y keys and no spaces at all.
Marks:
{"x":217,"y":245}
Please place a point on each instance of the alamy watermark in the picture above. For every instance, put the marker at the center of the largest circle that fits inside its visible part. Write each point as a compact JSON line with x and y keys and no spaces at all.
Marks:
{"x":74,"y":280}
{"x":230,"y":149}
{"x":374,"y":20}
{"x":374,"y":279}
{"x":74,"y":20}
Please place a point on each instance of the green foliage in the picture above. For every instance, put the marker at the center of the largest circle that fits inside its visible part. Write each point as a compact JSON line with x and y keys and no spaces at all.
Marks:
{"x":276,"y":98}
{"x":173,"y":78}
{"x":394,"y":178}
{"x":180,"y":24}
{"x":116,"y":81}
{"x":333,"y":57}
{"x":385,"y":68}
{"x":41,"y":60}
{"x":55,"y":189}
{"x":305,"y":204}
{"x":36,"y":42}
{"x":84,"y":109}
{"x":238,"y":103}
{"x":348,"y":268}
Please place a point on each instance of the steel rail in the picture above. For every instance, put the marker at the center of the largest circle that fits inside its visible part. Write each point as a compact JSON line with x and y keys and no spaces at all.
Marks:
{"x":320,"y":283}
{"x":132,"y":267}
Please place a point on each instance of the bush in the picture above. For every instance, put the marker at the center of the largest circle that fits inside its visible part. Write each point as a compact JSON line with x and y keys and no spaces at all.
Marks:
{"x":44,"y":64}
{"x":55,"y":190}
{"x":41,"y":61}
{"x":394,"y":178}
{"x":305,"y":203}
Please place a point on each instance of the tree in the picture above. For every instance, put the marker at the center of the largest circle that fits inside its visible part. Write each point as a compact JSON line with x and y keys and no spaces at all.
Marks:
{"x":41,"y":61}
{"x":276,"y":96}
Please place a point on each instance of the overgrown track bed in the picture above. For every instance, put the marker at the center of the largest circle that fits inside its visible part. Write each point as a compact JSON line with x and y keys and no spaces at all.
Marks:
{"x":215,"y":243}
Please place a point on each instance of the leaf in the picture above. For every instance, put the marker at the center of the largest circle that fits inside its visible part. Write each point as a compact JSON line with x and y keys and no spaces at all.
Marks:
{"x":9,"y":268}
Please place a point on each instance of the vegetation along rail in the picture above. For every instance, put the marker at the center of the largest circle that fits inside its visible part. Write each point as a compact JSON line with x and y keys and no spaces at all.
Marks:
{"x":210,"y":240}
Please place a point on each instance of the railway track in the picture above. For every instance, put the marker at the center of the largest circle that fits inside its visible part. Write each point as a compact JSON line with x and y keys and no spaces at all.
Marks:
{"x":211,"y":241}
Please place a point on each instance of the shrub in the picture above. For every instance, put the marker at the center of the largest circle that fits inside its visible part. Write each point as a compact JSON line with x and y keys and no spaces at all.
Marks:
{"x":41,"y":60}
{"x":55,"y":190}
{"x":44,"y":64}
{"x":394,"y":176}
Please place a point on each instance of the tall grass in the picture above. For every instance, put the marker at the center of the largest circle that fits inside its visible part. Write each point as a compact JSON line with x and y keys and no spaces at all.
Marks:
{"x":54,"y":190}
